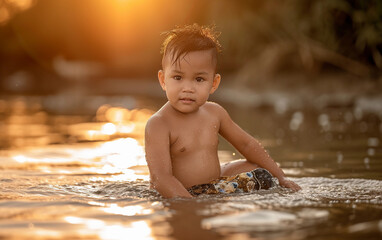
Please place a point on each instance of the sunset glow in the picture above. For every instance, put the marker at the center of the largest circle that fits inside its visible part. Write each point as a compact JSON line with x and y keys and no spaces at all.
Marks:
{"x":79,"y":83}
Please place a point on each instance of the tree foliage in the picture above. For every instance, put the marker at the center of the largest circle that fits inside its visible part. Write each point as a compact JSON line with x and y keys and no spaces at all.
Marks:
{"x":351,"y":28}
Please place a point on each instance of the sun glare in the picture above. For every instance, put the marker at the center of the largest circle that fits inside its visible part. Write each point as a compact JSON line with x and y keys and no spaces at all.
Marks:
{"x":123,"y":157}
{"x":137,"y":230}
{"x":112,"y":122}
{"x":134,"y":230}
{"x":108,"y":129}
{"x":128,"y":210}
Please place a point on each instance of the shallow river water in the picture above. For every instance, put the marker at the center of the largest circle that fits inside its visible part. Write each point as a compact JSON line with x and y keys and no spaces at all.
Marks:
{"x":84,"y":176}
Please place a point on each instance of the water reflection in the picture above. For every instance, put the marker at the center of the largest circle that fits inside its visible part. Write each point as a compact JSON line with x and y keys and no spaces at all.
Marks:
{"x":95,"y":227}
{"x":112,"y":122}
{"x":88,"y":179}
{"x":128,"y":210}
{"x":23,"y":122}
{"x":113,"y":157}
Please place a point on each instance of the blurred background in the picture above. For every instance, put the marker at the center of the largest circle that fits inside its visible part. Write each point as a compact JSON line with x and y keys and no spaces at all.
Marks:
{"x":50,"y":46}
{"x":70,"y":57}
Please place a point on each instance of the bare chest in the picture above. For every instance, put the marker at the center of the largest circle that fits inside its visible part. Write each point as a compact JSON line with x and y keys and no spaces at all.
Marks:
{"x":196,"y":139}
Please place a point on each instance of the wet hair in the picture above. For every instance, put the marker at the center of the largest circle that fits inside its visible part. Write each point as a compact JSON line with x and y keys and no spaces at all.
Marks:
{"x":180,"y":41}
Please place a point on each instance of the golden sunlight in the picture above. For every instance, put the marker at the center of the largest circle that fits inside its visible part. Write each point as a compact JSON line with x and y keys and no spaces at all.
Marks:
{"x":128,"y":210}
{"x":137,"y":230}
{"x":112,"y":122}
{"x":124,"y":157}
{"x":108,"y":129}
{"x":134,"y":230}
{"x":121,"y":154}
{"x":21,"y":4}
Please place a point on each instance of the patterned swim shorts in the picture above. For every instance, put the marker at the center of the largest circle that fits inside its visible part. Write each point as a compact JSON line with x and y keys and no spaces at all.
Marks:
{"x":256,"y":179}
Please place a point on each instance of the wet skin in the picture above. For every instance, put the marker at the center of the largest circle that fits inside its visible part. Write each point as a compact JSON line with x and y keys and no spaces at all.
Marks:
{"x":181,"y":139}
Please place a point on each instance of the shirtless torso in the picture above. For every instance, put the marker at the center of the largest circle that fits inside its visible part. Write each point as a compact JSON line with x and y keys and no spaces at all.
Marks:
{"x":193,"y":142}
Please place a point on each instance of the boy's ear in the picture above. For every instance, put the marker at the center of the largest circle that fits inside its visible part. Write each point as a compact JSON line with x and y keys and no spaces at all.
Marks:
{"x":215,"y":83}
{"x":161,"y":79}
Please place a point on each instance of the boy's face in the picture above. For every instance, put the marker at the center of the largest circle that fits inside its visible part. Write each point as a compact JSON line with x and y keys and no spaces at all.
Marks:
{"x":189,"y":82}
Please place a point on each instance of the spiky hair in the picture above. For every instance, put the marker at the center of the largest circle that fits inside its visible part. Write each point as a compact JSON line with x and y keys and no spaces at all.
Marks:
{"x":183,"y":40}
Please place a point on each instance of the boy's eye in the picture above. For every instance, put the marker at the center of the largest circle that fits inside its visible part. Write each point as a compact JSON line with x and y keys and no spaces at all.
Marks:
{"x":177,"y":77}
{"x":199,"y":79}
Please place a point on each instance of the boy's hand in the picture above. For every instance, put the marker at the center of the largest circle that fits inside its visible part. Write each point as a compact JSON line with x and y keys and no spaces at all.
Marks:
{"x":289,"y":184}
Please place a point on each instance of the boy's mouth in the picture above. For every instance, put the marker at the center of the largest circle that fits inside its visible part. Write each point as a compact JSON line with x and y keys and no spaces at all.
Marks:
{"x":187,"y":100}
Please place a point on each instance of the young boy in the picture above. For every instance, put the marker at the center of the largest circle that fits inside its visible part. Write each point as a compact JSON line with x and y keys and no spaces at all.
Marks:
{"x":181,"y":139}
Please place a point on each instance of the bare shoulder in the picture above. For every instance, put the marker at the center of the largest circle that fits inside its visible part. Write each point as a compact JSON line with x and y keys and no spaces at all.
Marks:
{"x":213,"y":106}
{"x":156,"y":137}
{"x":216,"y":109}
{"x":156,"y":121}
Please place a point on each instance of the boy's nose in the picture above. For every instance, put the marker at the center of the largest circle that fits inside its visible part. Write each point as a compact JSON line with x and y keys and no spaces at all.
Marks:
{"x":188,"y":87}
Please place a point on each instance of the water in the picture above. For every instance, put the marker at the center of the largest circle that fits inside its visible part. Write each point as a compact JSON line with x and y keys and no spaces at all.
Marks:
{"x":84,"y":176}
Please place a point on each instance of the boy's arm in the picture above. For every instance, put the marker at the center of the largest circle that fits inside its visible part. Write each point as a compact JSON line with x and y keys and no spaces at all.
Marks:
{"x":157,"y":147}
{"x":251,"y":149}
